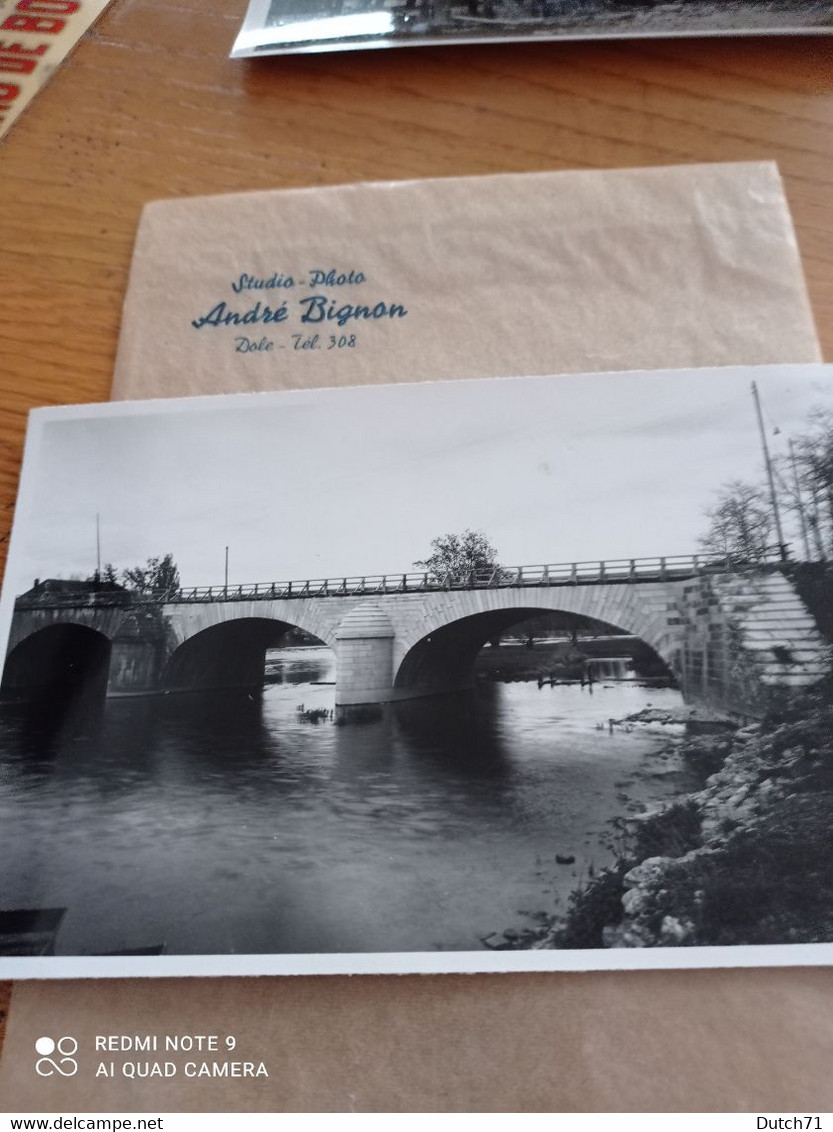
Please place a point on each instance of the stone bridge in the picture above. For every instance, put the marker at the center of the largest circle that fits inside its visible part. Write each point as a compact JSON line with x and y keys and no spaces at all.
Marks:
{"x":727,"y":636}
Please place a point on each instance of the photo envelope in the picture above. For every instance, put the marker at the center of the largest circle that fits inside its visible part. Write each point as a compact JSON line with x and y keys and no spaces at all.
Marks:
{"x":494,"y":675}
{"x":464,"y":277}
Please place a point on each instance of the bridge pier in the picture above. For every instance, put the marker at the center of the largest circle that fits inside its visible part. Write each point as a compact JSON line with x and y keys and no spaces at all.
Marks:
{"x":364,"y":657}
{"x":137,"y":656}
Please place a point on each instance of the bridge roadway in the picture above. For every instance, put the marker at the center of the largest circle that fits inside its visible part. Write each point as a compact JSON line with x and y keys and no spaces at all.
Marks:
{"x":728,"y":633}
{"x":595,"y":572}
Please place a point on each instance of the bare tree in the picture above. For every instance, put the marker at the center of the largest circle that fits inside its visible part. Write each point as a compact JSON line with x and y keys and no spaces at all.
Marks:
{"x":740,"y":523}
{"x":813,"y":491}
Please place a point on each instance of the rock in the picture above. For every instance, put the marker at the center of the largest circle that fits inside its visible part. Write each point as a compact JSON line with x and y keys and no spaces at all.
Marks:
{"x":634,"y":901}
{"x":648,"y":872}
{"x":637,"y":819}
{"x":626,"y":935}
{"x":674,"y":931}
{"x":750,"y":731}
{"x":716,"y":840}
{"x":790,"y":756}
{"x":564,"y":859}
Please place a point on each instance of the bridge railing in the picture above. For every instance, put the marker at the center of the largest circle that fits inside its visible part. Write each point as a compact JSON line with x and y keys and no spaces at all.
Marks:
{"x":591,"y":572}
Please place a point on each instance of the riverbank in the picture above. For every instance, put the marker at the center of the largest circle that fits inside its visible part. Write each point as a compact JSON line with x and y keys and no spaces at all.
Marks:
{"x":653,"y":779}
{"x":745,"y":859}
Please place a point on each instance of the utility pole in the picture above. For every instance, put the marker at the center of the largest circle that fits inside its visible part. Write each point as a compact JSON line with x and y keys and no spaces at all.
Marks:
{"x":98,"y":546}
{"x":782,"y":546}
{"x":225,"y":588}
{"x":799,"y":500}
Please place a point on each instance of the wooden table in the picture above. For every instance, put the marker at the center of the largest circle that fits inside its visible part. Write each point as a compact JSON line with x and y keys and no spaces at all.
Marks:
{"x":149,"y":106}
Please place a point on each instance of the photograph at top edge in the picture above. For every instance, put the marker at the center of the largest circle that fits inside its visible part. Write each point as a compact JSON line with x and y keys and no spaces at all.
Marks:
{"x":280,"y":26}
{"x":526,"y":664}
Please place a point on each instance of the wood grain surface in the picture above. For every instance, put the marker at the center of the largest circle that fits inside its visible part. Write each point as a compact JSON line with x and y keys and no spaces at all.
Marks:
{"x":5,"y":998}
{"x":149,"y":106}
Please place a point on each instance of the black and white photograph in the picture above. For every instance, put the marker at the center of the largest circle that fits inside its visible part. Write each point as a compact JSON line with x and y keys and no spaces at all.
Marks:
{"x":274,"y":27}
{"x":482,"y":675}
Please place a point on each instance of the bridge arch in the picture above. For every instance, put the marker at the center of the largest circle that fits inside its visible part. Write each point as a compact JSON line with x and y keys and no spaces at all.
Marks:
{"x":60,"y":661}
{"x":227,"y":654}
{"x":441,"y":656}
{"x":318,"y":618}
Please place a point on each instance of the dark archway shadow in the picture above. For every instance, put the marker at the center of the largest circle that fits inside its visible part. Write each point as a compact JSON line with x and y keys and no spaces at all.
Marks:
{"x":229,"y":655}
{"x":55,"y":681}
{"x":444,"y":660}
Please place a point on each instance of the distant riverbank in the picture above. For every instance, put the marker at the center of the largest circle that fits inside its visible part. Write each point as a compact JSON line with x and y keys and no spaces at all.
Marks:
{"x":562,"y":659}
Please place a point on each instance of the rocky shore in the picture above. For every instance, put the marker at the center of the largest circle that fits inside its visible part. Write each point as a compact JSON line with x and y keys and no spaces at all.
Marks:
{"x":745,"y":859}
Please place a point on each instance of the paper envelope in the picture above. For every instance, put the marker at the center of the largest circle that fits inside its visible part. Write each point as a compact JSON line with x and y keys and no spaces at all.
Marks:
{"x":472,"y":277}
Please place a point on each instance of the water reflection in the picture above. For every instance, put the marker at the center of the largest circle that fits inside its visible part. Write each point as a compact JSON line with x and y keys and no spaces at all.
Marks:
{"x":231,"y":823}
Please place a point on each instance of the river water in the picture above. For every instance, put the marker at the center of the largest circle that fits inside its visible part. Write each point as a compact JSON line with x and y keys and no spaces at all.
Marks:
{"x":231,"y":823}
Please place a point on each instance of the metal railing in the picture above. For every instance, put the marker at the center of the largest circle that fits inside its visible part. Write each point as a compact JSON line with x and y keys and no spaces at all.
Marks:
{"x":612,"y":571}
{"x":609,"y":571}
